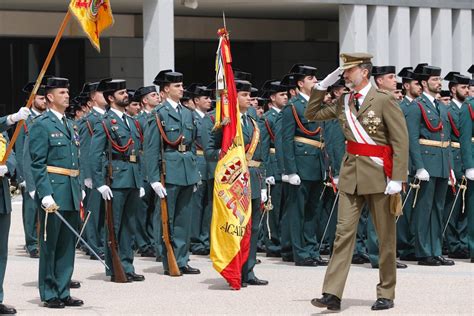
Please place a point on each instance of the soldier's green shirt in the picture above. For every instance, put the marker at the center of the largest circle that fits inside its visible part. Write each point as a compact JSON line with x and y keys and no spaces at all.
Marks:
{"x":181,"y":167}
{"x":52,"y":144}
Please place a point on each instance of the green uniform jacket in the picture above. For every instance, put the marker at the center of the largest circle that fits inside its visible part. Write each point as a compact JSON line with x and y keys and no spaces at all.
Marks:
{"x":20,"y":146}
{"x":126,"y":175}
{"x":404,"y":105}
{"x":142,"y":119}
{"x":86,"y":130}
{"x":435,"y":160}
{"x":5,"y":199}
{"x":201,"y":160}
{"x":467,"y":153}
{"x":335,"y":146}
{"x":181,"y":167}
{"x":270,"y":131}
{"x":208,"y":124}
{"x":51,"y":144}
{"x":461,"y":156}
{"x":256,"y":174}
{"x":302,"y":159}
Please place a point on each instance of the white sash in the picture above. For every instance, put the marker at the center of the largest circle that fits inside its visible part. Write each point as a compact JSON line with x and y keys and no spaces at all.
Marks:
{"x":357,"y":130}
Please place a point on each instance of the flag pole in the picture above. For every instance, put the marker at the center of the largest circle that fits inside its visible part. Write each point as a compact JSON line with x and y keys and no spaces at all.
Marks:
{"x":52,"y":50}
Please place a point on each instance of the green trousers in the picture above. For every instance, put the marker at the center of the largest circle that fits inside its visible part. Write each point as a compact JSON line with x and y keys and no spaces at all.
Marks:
{"x":455,"y":237}
{"x":285,"y":238}
{"x":247,"y":268}
{"x":428,"y":216}
{"x":144,"y":239}
{"x":405,"y":236}
{"x":56,"y":263}
{"x":5,"y":220}
{"x":124,"y":204}
{"x":30,"y":219}
{"x":201,"y":212}
{"x":302,"y":207}
{"x":470,"y":216}
{"x":94,"y":229}
{"x":179,"y":218}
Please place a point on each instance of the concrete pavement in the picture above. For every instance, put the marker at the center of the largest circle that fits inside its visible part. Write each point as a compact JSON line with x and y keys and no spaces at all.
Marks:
{"x":420,"y":290}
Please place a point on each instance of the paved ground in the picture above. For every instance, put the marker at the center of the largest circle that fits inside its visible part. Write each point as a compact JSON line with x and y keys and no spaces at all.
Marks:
{"x":420,"y":290}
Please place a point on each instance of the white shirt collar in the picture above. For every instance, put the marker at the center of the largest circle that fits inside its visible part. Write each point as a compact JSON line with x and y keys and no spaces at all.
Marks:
{"x":173,"y":103}
{"x":101,"y":111}
{"x":431,"y":98}
{"x":306,"y":97}
{"x":458,"y":104}
{"x":276,"y":109}
{"x":58,"y":115}
{"x":119,"y":113}
{"x":365,"y":90}
{"x":200,"y":113}
{"x":35,"y":113}
{"x":408,"y":98}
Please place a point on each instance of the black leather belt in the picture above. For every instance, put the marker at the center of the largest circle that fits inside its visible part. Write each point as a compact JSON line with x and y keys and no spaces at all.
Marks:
{"x":126,"y":158}
{"x":180,"y":148}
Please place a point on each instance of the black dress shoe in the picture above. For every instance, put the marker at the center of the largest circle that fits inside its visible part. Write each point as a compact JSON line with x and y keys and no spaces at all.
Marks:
{"x":287,"y":259}
{"x":401,"y":265}
{"x":428,"y":261}
{"x":5,"y":310}
{"x":71,"y":301}
{"x":149,"y":253}
{"x":321,"y":261}
{"x":189,"y":270}
{"x":257,"y":281}
{"x":331,"y":302}
{"x":74,"y":284}
{"x":409,"y":257}
{"x":135,"y":277}
{"x":34,"y":254}
{"x":459,"y":255}
{"x":201,"y":252}
{"x":101,"y":256}
{"x":308,"y":262}
{"x":443,"y":261}
{"x":54,"y":303}
{"x":273,"y":255}
{"x":159,"y":259}
{"x":258,"y":261}
{"x":244,"y":284}
{"x":382,"y":303}
{"x":325,"y":251}
{"x":129,"y":278}
{"x":357,"y":259}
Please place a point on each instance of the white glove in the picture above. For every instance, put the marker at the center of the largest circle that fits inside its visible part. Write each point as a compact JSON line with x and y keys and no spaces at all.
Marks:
{"x":452,"y":176}
{"x":393,"y":187}
{"x":106,"y":192}
{"x":422,"y":174}
{"x":88,"y":183}
{"x":294,"y":179}
{"x":195,"y":188}
{"x":159,"y":189}
{"x":22,"y":184}
{"x":263,"y":195}
{"x":83,"y":195}
{"x":22,"y":114}
{"x":270,"y":180}
{"x":32,"y":194}
{"x":335,"y":180}
{"x":284,"y":178}
{"x":48,"y":201}
{"x":3,"y":170}
{"x":470,"y":174}
{"x":330,"y":79}
{"x":142,"y":192}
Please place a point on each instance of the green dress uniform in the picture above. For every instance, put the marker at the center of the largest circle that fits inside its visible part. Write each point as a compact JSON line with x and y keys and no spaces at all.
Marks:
{"x":461,"y":134}
{"x":29,"y":210}
{"x":256,"y":168}
{"x":117,"y":137}
{"x":429,"y":135}
{"x":5,"y":210}
{"x":200,"y":208}
{"x":469,"y":163}
{"x":54,"y":143}
{"x":270,"y":127}
{"x":181,"y":172}
{"x":144,"y":235}
{"x":302,"y":155}
{"x":94,"y":230}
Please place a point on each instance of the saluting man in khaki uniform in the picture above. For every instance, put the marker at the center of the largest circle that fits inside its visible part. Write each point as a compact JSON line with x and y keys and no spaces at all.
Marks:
{"x":372,"y":170}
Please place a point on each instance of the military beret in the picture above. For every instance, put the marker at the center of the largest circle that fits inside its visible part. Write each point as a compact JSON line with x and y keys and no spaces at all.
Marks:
{"x":383,"y":70}
{"x":56,"y":83}
{"x":243,"y":85}
{"x":29,"y":87}
{"x":350,"y":60}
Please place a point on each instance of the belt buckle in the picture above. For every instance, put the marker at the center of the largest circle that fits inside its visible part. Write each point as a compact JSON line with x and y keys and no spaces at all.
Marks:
{"x":133,"y":158}
{"x":181,"y":148}
{"x":74,"y":173}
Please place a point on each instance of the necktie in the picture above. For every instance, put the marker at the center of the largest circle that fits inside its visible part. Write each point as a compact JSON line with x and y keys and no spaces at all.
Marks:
{"x":66,"y":125}
{"x":357,"y":96}
{"x":124,"y":117}
{"x":178,"y":109}
{"x":244,"y":120}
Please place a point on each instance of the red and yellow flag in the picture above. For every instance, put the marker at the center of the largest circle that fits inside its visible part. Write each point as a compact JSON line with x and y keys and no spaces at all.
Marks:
{"x":231,"y":225}
{"x":94,"y":16}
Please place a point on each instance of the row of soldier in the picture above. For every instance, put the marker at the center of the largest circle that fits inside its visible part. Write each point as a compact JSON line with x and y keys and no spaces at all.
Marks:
{"x":296,"y":165}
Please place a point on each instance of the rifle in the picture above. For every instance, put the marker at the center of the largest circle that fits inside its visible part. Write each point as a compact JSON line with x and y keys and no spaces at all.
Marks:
{"x":172,"y":264}
{"x":119,"y":273}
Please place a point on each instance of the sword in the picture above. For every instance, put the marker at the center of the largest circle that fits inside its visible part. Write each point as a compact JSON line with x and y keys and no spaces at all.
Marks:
{"x":415,"y":184}
{"x":84,"y":226}
{"x":80,"y":238}
{"x":462,"y":187}
{"x":329,"y":219}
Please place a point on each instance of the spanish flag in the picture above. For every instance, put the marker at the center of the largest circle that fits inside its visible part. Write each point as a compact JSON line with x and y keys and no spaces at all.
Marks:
{"x":231,"y":209}
{"x":94,"y":16}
